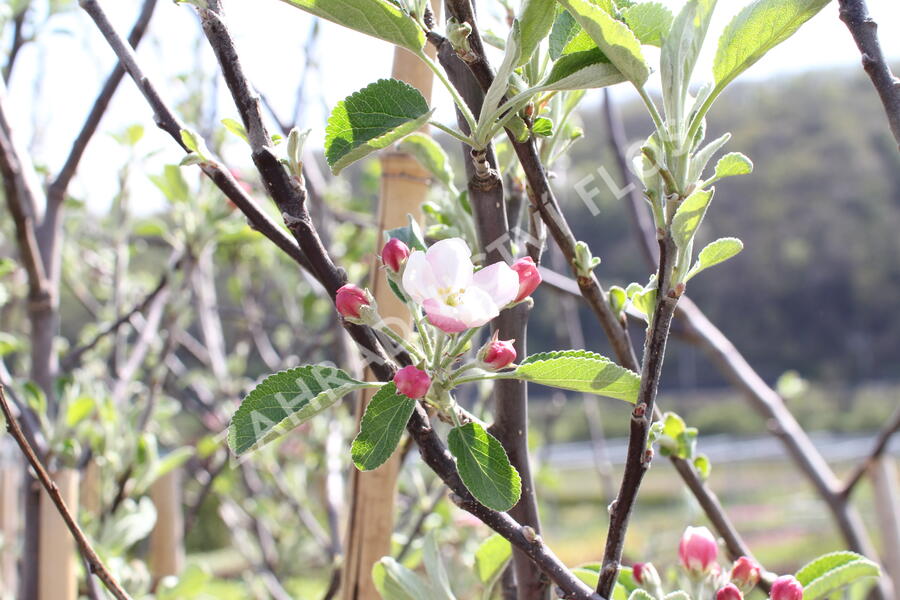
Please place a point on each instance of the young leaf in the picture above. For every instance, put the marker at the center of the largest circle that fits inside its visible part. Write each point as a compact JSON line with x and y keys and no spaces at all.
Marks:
{"x":717,"y":252}
{"x":580,"y":371}
{"x":689,"y":215}
{"x":484,"y":467}
{"x":641,"y":594}
{"x":580,"y":71}
{"x":378,"y":18}
{"x":829,"y":573}
{"x":702,"y":157}
{"x":437,"y":573}
{"x":759,"y":27}
{"x":500,"y":85}
{"x":650,"y":22}
{"x":381,"y":428}
{"x":613,"y":38}
{"x":542,"y":126}
{"x":411,"y":235}
{"x":536,"y":19}
{"x":371,"y":119}
{"x":236,"y":128}
{"x":733,"y":163}
{"x":395,"y":582}
{"x":679,"y":54}
{"x":283,"y":401}
{"x":431,"y":156}
{"x":564,"y":30}
{"x":491,"y":557}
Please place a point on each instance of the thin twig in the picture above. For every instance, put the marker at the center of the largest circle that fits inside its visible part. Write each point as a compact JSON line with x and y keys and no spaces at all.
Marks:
{"x":881,"y":444}
{"x":90,"y":555}
{"x":864,"y":30}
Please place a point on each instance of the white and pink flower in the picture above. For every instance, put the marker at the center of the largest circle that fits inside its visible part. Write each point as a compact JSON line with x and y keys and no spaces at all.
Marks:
{"x":454,"y":296}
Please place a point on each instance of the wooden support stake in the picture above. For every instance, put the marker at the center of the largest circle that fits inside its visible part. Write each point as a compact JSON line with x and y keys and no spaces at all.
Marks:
{"x":58,"y":559}
{"x":404,"y":186}
{"x":166,"y":543}
{"x":10,"y":486}
{"x":887,"y":510}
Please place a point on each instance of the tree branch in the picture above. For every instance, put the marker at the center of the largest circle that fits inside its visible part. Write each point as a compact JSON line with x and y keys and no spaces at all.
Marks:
{"x":90,"y":555}
{"x":881,"y":444}
{"x":864,"y":30}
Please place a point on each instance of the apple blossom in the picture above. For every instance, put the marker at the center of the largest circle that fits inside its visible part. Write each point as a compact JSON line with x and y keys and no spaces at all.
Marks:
{"x":698,"y":550}
{"x":729,"y":592}
{"x":394,"y":254}
{"x":498,"y":354}
{"x":349,"y":299}
{"x":745,"y":573}
{"x":786,"y":587}
{"x":529,"y":277}
{"x":454,"y":296}
{"x":412,"y":382}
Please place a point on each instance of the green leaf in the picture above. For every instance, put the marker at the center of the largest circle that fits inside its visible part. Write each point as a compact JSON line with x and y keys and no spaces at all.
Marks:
{"x":431,"y":156}
{"x":542,"y":126}
{"x":284,"y":400}
{"x":679,"y":55}
{"x":536,"y":19}
{"x":641,"y":594}
{"x":372,"y":119}
{"x":617,"y":299}
{"x":377,"y":18}
{"x":564,"y":30}
{"x":831,"y":572}
{"x":484,"y":467}
{"x":644,"y":300}
{"x":411,"y":235}
{"x":495,"y":93}
{"x":381,"y":428}
{"x":714,"y":253}
{"x":236,"y":128}
{"x":79,"y":409}
{"x":580,"y":371}
{"x":703,"y":466}
{"x":491,"y":557}
{"x":702,"y":156}
{"x":395,"y":582}
{"x":759,"y":27}
{"x":437,"y":573}
{"x":580,"y":71}
{"x":650,"y":22}
{"x":9,"y":344}
{"x":613,"y":38}
{"x":733,"y":163}
{"x":689,"y":215}
{"x":172,"y":184}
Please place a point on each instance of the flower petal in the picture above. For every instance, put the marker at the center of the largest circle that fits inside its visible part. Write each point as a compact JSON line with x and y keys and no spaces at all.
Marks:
{"x":443,"y":316}
{"x":451,"y":263}
{"x":499,"y":281}
{"x":418,"y":279}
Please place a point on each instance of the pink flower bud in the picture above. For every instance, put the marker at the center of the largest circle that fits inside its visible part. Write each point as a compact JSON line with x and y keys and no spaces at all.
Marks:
{"x":729,"y":592}
{"x":529,"y":277}
{"x":745,"y":573}
{"x":350,"y":298}
{"x":498,"y":354}
{"x":394,"y":254}
{"x":412,"y":382}
{"x":698,"y":550}
{"x":637,"y":571}
{"x":786,"y":587}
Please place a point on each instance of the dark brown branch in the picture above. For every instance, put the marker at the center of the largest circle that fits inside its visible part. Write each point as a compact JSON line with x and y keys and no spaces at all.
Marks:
{"x":90,"y":555}
{"x":881,"y":444}
{"x":169,"y":123}
{"x":18,"y":42}
{"x":864,"y":30}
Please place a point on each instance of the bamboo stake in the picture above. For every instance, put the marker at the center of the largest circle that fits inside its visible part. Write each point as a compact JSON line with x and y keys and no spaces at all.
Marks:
{"x":58,"y":559}
{"x":10,"y":481}
{"x":166,"y":543}
{"x":404,"y":186}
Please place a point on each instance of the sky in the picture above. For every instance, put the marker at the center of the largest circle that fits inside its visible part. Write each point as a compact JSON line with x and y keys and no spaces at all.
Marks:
{"x":54,"y":83}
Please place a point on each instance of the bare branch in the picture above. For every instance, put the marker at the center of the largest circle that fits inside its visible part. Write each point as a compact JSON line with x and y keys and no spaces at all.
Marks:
{"x":864,"y":30}
{"x":90,"y":555}
{"x":881,"y":444}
